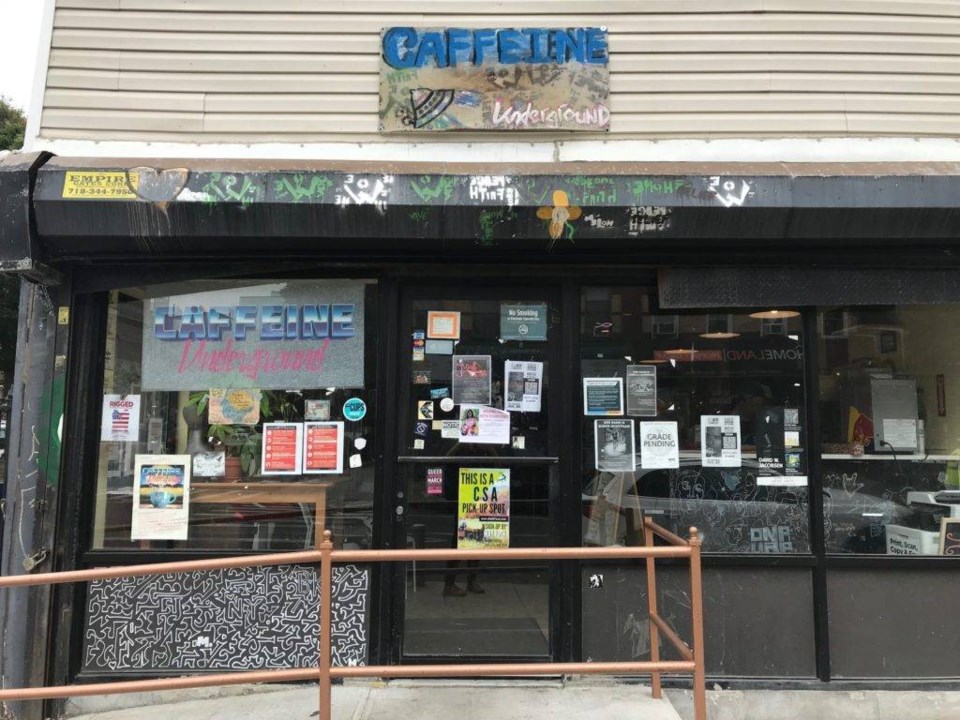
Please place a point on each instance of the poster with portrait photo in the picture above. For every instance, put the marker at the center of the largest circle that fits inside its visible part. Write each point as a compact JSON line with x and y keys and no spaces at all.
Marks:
{"x":524,"y":385}
{"x":720,"y":440}
{"x":614,"y":447}
{"x":777,"y":466}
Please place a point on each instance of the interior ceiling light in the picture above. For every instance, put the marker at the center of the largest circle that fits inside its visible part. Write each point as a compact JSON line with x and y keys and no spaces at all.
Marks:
{"x":719,"y":327}
{"x":774,"y":314}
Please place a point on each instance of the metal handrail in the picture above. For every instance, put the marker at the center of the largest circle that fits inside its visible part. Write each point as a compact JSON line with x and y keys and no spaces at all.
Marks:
{"x":326,"y":556}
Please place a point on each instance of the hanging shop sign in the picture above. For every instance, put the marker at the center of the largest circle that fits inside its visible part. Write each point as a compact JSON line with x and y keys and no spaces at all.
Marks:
{"x":436,"y":79}
{"x":274,"y":336}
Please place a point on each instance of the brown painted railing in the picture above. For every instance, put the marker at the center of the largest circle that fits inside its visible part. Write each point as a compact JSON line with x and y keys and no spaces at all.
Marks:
{"x":326,"y":556}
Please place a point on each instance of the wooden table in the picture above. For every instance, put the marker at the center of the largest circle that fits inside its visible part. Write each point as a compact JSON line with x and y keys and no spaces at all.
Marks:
{"x":268,"y":493}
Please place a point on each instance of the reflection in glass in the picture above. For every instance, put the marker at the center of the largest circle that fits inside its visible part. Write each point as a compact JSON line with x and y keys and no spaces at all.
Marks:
{"x":890,"y":441}
{"x":222,"y":432}
{"x":750,"y":500}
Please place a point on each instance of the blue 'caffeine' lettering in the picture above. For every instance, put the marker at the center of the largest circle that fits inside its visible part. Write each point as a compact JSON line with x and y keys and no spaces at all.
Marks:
{"x":274,"y":322}
{"x":407,"y":47}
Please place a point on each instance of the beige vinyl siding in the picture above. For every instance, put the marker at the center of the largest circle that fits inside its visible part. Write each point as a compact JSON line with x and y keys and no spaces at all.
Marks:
{"x":307,"y":70}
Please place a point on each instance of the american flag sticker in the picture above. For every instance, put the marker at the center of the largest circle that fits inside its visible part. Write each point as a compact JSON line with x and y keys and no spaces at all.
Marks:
{"x":121,"y":418}
{"x":121,"y":422}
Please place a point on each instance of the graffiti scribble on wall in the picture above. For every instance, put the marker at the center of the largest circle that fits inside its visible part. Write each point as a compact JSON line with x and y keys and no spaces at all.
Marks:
{"x":434,"y":79}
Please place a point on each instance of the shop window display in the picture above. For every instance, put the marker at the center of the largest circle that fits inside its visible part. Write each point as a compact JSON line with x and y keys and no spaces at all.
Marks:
{"x":693,"y":418}
{"x":233,"y":411}
{"x":890,"y":433}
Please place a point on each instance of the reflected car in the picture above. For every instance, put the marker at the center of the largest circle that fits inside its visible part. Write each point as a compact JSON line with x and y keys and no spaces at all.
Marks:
{"x":733,"y":513}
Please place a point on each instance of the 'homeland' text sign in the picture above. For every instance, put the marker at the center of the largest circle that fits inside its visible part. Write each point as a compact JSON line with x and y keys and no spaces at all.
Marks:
{"x":494,"y":79}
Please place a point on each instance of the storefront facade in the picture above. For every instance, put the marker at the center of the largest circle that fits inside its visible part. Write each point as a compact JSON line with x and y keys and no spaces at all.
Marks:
{"x":441,"y":345}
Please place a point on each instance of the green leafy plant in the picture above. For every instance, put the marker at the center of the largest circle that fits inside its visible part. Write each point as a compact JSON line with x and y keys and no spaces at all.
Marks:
{"x":243,"y":441}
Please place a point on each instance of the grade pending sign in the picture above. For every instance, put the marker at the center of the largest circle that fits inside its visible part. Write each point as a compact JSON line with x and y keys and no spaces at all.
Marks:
{"x":442,"y":79}
{"x":274,"y":336}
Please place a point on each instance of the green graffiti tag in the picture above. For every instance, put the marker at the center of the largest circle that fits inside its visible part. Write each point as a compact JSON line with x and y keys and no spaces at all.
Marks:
{"x":489,"y":219}
{"x":430,"y":187}
{"x":420,"y":216}
{"x":295,"y":187}
{"x":657,"y":186}
{"x":595,"y":190}
{"x":231,"y":187}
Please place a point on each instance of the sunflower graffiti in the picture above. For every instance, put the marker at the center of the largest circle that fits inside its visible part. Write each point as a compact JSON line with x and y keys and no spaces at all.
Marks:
{"x":561,"y":216}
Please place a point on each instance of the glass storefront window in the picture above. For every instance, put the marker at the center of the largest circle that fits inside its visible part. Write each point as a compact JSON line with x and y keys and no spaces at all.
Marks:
{"x":692,"y":418}
{"x":890,"y":433}
{"x":224,"y":379}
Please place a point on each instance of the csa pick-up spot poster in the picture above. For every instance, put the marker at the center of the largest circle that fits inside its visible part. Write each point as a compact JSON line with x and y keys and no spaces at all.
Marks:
{"x":161,"y":497}
{"x":483,"y":509}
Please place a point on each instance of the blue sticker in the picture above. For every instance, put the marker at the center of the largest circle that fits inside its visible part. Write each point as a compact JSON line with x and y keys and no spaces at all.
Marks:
{"x":420,"y":429}
{"x":354,"y":409}
{"x":438,"y":393}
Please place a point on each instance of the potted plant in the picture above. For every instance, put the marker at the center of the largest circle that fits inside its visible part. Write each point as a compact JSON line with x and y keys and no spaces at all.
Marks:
{"x":240,"y":443}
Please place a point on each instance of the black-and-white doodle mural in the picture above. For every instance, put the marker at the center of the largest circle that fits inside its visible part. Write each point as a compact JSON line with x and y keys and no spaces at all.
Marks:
{"x":224,"y":620}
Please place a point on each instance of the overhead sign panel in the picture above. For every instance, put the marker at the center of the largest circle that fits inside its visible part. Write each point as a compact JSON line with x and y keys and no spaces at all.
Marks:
{"x":439,"y":79}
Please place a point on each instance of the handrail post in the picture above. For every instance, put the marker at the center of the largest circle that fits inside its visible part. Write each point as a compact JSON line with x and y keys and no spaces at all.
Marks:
{"x":696,"y":607}
{"x":652,"y":609}
{"x":326,"y":598}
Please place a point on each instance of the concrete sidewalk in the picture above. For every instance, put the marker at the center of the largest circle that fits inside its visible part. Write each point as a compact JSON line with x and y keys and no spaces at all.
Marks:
{"x":422,"y":700}
{"x":582,"y":698}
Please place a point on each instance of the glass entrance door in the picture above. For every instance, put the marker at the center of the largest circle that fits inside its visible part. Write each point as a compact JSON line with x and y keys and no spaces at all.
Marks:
{"x":477,"y":468}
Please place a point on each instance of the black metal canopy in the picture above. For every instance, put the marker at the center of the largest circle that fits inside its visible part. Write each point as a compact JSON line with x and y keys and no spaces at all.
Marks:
{"x":110,"y":208}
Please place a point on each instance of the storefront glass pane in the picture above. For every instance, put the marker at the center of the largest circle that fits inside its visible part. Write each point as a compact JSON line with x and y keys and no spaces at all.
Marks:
{"x":263,"y":392}
{"x":478,"y":401}
{"x":694,"y":419}
{"x":889,"y":383}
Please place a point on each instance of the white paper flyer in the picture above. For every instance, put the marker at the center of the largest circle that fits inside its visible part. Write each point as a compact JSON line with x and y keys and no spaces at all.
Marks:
{"x":720,"y":440}
{"x":523,"y":387}
{"x":659,"y":445}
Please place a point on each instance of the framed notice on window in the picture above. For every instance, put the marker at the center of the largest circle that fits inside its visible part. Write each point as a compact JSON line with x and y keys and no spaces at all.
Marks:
{"x":443,"y":325}
{"x":282,"y":448}
{"x":323,"y":448}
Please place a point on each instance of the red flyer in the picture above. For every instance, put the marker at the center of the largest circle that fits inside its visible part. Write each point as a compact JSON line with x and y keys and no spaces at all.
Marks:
{"x":323,"y":453}
{"x":281,"y":452}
